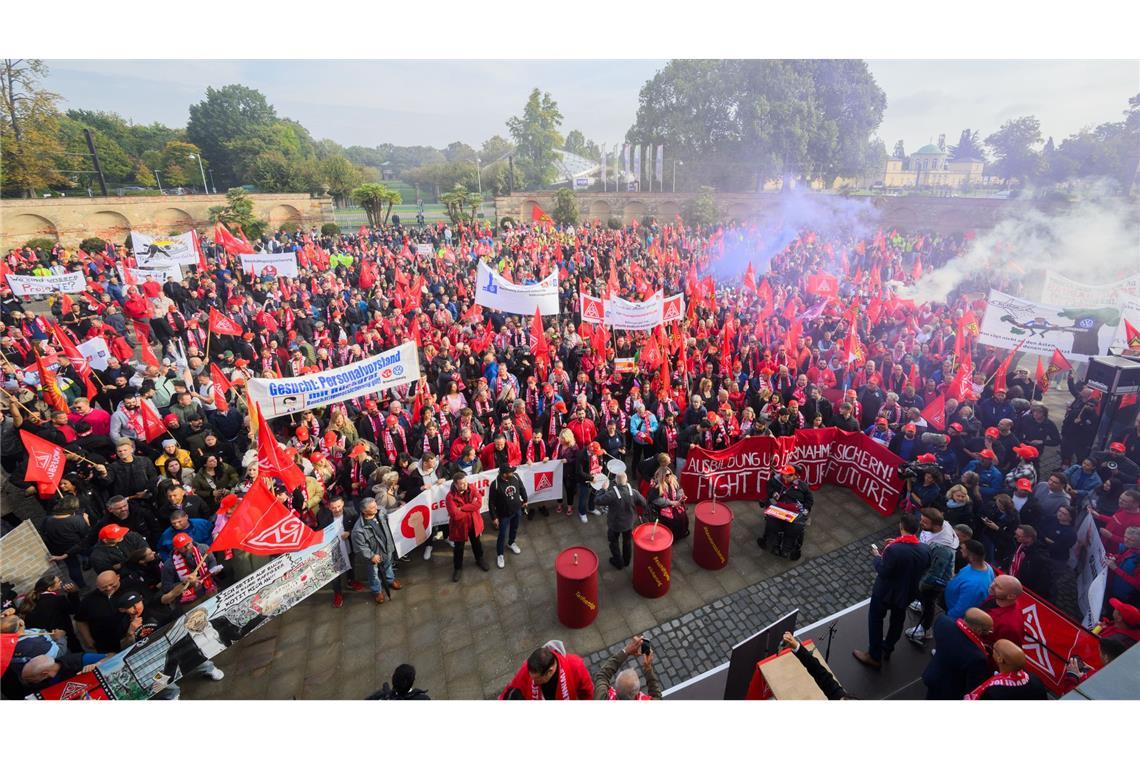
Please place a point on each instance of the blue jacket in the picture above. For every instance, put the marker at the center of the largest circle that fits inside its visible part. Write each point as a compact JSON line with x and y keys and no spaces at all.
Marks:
{"x":991,"y":479}
{"x":967,"y":589}
{"x":899,"y":571}
{"x":202,"y":531}
{"x":1082,"y":482}
{"x":637,"y":425}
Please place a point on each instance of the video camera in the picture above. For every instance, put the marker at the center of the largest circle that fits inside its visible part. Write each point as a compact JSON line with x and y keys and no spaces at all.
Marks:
{"x":915,"y":471}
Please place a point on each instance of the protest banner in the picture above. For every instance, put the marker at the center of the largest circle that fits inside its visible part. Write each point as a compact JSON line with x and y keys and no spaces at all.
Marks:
{"x":425,"y":249}
{"x":96,"y":352}
{"x":270,"y":264}
{"x":1077,"y":331}
{"x":496,"y":292}
{"x":396,"y":366}
{"x":161,"y":251}
{"x":207,"y":630}
{"x":632,"y":315}
{"x":1091,"y":563}
{"x":412,"y":523}
{"x":826,"y":455}
{"x":1061,"y":290}
{"x":166,"y":272}
{"x":1051,"y":639}
{"x":26,"y":285}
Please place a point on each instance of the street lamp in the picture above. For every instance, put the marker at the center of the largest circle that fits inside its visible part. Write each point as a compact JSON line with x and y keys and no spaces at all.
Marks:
{"x":159,"y":181}
{"x":675,"y":162}
{"x":479,"y":179}
{"x":213,"y":187}
{"x":205,"y":187}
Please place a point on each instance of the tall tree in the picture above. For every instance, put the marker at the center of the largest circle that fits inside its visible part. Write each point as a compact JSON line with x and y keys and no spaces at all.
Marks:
{"x":1013,"y":145}
{"x":377,"y":200}
{"x":536,"y":135}
{"x":30,"y":147}
{"x":227,"y":125}
{"x":459,"y":151}
{"x":495,"y":148}
{"x":969,"y":146}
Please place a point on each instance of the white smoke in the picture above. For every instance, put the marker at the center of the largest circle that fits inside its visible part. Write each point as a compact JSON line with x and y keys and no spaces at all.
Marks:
{"x":1095,"y":240}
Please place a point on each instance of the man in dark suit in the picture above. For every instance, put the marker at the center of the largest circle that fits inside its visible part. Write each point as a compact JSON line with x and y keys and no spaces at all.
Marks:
{"x":960,"y":663}
{"x":900,"y":566}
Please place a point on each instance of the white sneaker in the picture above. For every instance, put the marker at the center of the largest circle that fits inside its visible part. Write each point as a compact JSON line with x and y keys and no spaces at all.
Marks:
{"x":916,"y":606}
{"x":918,"y":632}
{"x":500,"y":561}
{"x":596,"y":511}
{"x":583,"y":517}
{"x":451,"y":543}
{"x":216,"y":674}
{"x":427,"y":552}
{"x":515,"y":548}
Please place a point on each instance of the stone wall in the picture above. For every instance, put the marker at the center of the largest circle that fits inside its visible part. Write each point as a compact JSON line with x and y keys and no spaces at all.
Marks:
{"x":24,"y":558}
{"x":69,"y":220}
{"x":941,"y":215}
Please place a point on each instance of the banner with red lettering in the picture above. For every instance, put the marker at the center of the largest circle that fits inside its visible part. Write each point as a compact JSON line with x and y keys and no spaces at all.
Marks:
{"x":1051,"y":638}
{"x":826,"y":455}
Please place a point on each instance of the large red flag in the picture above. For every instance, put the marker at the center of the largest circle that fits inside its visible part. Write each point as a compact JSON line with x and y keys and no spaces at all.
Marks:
{"x":750,"y":278}
{"x":153,"y":425}
{"x":142,"y":334}
{"x":76,"y":357}
{"x":1058,"y":363}
{"x":270,"y":462}
{"x":46,"y":460}
{"x":262,"y":525}
{"x":538,"y":345}
{"x":230,"y":243}
{"x":223,"y":325}
{"x":1003,"y":369}
{"x":823,"y":284}
{"x":48,"y":383}
{"x":219,"y":378}
{"x":1042,"y":378}
{"x":202,"y":267}
{"x":1131,"y":336}
{"x":935,"y":412}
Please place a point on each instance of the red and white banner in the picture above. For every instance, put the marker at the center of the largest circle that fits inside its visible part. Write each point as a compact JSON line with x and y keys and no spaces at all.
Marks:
{"x":411,"y":524}
{"x":1051,"y":639}
{"x":632,"y":315}
{"x":827,"y":455}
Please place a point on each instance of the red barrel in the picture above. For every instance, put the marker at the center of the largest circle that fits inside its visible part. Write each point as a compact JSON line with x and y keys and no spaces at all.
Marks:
{"x":652,"y":559}
{"x":577,"y":571}
{"x":710,"y":535}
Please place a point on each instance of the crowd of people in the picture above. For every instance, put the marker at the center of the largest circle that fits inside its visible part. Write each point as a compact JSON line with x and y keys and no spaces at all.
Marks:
{"x":757,"y":353}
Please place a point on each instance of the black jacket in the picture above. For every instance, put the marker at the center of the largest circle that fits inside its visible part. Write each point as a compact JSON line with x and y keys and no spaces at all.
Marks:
{"x":622,"y":502}
{"x":899,"y":570}
{"x":958,"y":665}
{"x":506,"y":496}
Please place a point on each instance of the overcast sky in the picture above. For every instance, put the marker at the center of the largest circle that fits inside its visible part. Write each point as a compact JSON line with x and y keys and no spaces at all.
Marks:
{"x":438,"y":102}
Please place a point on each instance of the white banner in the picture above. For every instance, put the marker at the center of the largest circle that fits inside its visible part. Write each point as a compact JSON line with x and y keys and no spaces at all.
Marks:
{"x":496,"y":292}
{"x":397,"y":366}
{"x":425,"y":249}
{"x":164,"y":250}
{"x":96,"y":352}
{"x":411,"y":524}
{"x":1092,"y":570}
{"x":1061,"y":290}
{"x":25,"y":285}
{"x":165,"y":273}
{"x":270,"y":264}
{"x":631,"y":315}
{"x":1078,"y":331}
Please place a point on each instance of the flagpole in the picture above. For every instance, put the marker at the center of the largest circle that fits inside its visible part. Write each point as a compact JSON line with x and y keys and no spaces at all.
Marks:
{"x":18,"y":403}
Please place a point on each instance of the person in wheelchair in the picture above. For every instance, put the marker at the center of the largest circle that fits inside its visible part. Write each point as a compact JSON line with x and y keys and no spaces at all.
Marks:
{"x":793,"y":499}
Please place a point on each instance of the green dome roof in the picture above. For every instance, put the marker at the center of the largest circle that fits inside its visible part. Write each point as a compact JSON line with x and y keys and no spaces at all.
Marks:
{"x":929,"y":150}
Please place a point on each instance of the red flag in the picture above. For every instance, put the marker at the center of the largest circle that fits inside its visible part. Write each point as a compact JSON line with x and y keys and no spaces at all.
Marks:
{"x":917,"y":273}
{"x":960,"y":387}
{"x":1058,"y":363}
{"x":220,"y":378}
{"x":823,"y":284}
{"x":1003,"y":369}
{"x":94,"y":302}
{"x":1131,"y":336}
{"x":46,"y":460}
{"x":1042,"y":378}
{"x":223,"y":325}
{"x":270,"y":462}
{"x":538,"y":345}
{"x":538,"y":215}
{"x":262,"y":525}
{"x":7,"y":640}
{"x":153,"y":425}
{"x":230,"y":243}
{"x":914,"y":379}
{"x":935,"y":412}
{"x":48,"y":383}
{"x":202,"y":266}
{"x":142,"y":333}
{"x":82,"y":686}
{"x":219,"y":398}
{"x":750,"y":278}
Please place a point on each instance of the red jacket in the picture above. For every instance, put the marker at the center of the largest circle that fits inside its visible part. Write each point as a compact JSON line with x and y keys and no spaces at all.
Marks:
{"x":584,"y":430}
{"x":573,"y":680}
{"x":487,"y":455}
{"x":463,"y":511}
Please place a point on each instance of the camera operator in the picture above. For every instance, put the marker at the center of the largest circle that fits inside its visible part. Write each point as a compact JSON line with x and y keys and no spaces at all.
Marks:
{"x":627,"y":685}
{"x":787,"y":491}
{"x":923,"y":483}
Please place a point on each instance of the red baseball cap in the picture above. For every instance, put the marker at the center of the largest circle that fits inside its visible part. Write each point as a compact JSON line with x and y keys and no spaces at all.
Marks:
{"x":229,"y":501}
{"x":881,"y":421}
{"x":357,"y":450}
{"x":787,"y":470}
{"x":112,"y":532}
{"x":987,"y":454}
{"x":926,"y":458}
{"x":370,"y":405}
{"x":956,"y":426}
{"x":909,"y":428}
{"x":170,"y":419}
{"x":1118,"y":447}
{"x":302,"y":433}
{"x":1129,"y":612}
{"x":182,"y":540}
{"x":993,"y":432}
{"x":1027,"y":451}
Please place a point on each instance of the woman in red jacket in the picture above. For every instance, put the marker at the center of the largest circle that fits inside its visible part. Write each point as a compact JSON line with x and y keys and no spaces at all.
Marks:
{"x":551,"y":673}
{"x":463,"y":505}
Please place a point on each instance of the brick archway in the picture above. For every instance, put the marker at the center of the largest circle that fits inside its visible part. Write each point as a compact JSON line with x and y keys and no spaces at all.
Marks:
{"x":173,"y":221}
{"x":109,"y":225}
{"x":23,"y":227}
{"x":283,"y":214}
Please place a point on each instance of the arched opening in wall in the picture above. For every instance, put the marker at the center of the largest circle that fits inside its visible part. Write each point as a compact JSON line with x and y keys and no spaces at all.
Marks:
{"x":109,"y":225}
{"x":633,"y":210}
{"x":667,"y":212}
{"x":173,"y":221}
{"x":599,"y":210}
{"x":24,"y":227}
{"x":283,"y":214}
{"x":526,"y":212}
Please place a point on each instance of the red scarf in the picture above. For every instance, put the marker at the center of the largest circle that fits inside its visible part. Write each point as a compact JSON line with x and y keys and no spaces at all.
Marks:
{"x":670,"y":440}
{"x":1016,"y":678}
{"x":563,"y":687}
{"x":969,"y":634}
{"x":535,"y":450}
{"x":207,"y":580}
{"x":1015,"y":563}
{"x":611,"y":694}
{"x":390,"y":441}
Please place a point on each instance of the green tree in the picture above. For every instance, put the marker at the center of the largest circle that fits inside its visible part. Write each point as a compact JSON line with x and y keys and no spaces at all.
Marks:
{"x":969,"y":146}
{"x":461,"y":204}
{"x":701,"y":208}
{"x":340,"y":176}
{"x":176,"y":167}
{"x":565,"y":209}
{"x":377,"y":200}
{"x":495,"y":148}
{"x":231,"y":121}
{"x":1013,"y":146}
{"x":497,"y":180}
{"x":575,"y":143}
{"x":117,"y":166}
{"x":458,"y":151}
{"x":536,"y":135}
{"x":30,"y":146}
{"x":238,"y":211}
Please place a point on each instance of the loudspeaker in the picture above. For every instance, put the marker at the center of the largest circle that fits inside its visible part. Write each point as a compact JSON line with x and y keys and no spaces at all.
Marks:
{"x":1113,"y":374}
